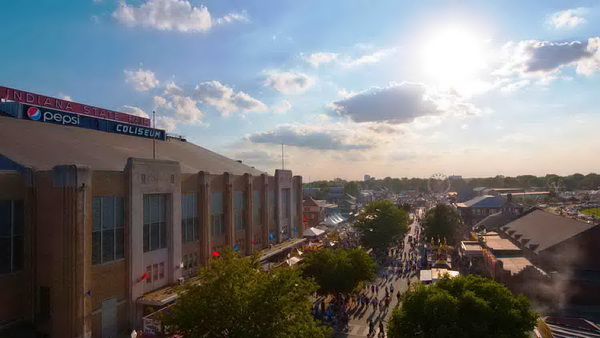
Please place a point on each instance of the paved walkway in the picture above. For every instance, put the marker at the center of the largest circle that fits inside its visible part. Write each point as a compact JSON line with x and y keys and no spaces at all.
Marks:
{"x":359,"y":326}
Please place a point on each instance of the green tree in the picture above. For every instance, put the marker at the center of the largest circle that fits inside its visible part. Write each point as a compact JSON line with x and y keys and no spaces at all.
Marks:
{"x":381,"y":223}
{"x":444,"y":222}
{"x":234,"y":298}
{"x":469,"y":306}
{"x":339,"y":271}
{"x":351,"y":188}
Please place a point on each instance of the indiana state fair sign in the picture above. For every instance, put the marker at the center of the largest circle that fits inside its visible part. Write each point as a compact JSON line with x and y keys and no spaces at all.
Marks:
{"x":76,"y":120}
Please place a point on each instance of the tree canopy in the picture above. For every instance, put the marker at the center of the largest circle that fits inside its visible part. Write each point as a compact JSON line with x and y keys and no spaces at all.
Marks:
{"x":442,"y":221}
{"x":234,"y":298}
{"x":351,"y":188}
{"x":469,"y":306}
{"x":381,"y":223}
{"x":339,"y":271}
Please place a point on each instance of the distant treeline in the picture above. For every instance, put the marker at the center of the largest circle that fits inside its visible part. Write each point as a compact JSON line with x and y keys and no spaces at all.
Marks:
{"x":396,"y":185}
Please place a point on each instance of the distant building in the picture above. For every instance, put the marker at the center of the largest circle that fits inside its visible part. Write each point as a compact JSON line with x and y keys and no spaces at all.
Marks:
{"x":478,"y":208}
{"x":367,"y":177}
{"x":455,"y":177}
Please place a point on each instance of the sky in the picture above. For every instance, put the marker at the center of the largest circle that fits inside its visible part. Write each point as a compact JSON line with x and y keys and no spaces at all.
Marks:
{"x":350,"y":87}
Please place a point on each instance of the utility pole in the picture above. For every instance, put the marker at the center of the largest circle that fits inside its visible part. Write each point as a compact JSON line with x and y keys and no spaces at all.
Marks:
{"x":154,"y":138}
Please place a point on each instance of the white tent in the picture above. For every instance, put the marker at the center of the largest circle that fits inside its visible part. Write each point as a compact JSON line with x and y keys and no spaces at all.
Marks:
{"x":313,"y":232}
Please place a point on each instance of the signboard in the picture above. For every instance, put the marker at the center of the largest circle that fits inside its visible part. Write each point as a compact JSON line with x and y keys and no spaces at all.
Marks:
{"x":67,"y":119}
{"x":72,"y":107}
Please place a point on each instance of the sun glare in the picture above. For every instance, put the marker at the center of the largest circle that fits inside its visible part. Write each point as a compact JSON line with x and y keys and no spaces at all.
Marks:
{"x":453,"y":56}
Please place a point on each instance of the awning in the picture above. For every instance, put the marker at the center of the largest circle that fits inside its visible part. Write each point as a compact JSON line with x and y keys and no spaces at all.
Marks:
{"x":313,"y":232}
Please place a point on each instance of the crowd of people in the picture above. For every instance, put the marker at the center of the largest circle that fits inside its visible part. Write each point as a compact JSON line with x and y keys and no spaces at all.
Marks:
{"x":400,"y":261}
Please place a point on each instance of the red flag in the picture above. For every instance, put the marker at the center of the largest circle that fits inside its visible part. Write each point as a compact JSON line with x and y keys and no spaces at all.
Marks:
{"x":216,"y":254}
{"x":143,"y":277}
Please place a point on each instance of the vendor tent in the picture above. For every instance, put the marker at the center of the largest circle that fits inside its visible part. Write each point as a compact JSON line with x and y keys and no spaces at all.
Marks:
{"x":313,"y":232}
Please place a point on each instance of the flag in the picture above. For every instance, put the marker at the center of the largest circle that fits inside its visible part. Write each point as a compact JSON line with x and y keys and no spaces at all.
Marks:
{"x":271,"y":236}
{"x":216,"y":254}
{"x":235,"y":247}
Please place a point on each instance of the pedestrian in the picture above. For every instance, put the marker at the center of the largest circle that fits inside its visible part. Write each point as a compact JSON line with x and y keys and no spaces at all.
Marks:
{"x":392,"y":288}
{"x":377,"y":289}
{"x":372,"y":288}
{"x":371,"y":327}
{"x":398,"y":295}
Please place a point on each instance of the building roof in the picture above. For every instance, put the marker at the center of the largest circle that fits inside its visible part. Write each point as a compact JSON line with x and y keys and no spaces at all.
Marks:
{"x":542,"y":230}
{"x":514,"y":265}
{"x":494,"y":221}
{"x":486,"y":201}
{"x":500,"y":244}
{"x":42,"y":146}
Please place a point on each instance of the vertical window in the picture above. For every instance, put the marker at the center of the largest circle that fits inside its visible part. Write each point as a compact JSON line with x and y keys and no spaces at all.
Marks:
{"x":287,"y":195}
{"x":11,"y":236}
{"x":155,"y":222}
{"x":238,"y":209}
{"x":256,"y":208}
{"x":272,"y":207}
{"x":108,"y":229}
{"x":216,"y":214}
{"x":189,"y":218}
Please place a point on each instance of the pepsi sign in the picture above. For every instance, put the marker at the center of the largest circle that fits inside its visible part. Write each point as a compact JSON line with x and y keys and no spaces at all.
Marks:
{"x":76,"y":120}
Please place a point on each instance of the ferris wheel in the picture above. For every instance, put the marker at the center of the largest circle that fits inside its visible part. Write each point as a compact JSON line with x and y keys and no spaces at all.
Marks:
{"x":438,"y":183}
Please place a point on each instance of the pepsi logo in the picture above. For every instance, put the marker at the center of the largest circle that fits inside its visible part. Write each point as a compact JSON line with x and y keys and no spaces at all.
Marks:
{"x":33,"y":113}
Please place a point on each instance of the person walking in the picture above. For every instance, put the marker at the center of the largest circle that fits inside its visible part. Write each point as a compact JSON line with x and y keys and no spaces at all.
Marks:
{"x":391,"y":288}
{"x":381,"y":330}
{"x":398,"y":296}
{"x":371,"y":327}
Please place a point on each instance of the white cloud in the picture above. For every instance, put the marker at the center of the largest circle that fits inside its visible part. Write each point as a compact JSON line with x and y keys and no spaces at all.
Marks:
{"x":133,"y":110}
{"x":312,"y":137}
{"x":568,"y":19}
{"x":316,"y":59}
{"x":374,"y":57}
{"x":142,"y":80}
{"x":544,"y":61}
{"x":288,"y":82}
{"x":165,"y":15}
{"x":63,"y":96}
{"x":225,"y":99}
{"x":172,"y":15}
{"x":182,"y":109}
{"x":232,"y":17}
{"x":401,"y":103}
{"x":281,"y":107}
{"x":166,"y":122}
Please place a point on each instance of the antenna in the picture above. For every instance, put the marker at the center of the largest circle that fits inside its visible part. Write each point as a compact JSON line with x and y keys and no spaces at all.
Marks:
{"x":282,"y":158}
{"x":154,"y":138}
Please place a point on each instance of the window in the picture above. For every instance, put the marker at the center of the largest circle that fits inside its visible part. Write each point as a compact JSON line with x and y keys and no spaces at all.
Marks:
{"x":11,"y":236}
{"x":108,"y":229}
{"x":155,"y":222}
{"x":216,"y":214}
{"x":189,"y":218}
{"x":238,"y":209}
{"x":256,"y":208}
{"x":287,"y":196}
{"x":272,"y":207}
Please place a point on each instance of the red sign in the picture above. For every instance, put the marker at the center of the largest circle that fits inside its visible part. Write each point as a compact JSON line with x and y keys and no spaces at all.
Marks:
{"x":68,"y":106}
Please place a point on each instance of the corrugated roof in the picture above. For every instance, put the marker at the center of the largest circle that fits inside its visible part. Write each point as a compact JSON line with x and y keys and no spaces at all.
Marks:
{"x":43,"y":145}
{"x":494,"y":221}
{"x":543,"y":229}
{"x":486,"y":201}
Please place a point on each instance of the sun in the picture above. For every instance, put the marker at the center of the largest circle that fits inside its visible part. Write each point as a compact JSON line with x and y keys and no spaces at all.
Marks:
{"x":453,"y":56}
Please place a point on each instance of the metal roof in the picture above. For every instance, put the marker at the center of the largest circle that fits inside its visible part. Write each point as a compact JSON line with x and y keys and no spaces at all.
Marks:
{"x":42,"y":146}
{"x":542,"y":230}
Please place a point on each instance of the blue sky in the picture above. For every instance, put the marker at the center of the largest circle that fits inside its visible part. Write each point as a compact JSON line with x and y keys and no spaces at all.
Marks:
{"x":389,"y":88}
